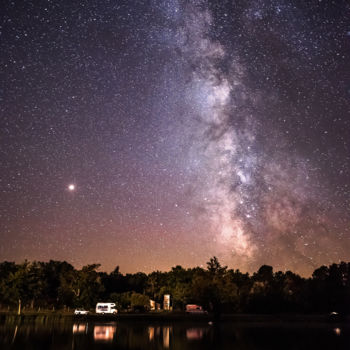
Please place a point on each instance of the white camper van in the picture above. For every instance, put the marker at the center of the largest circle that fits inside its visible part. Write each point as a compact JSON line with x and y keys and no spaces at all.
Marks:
{"x":106,"y":308}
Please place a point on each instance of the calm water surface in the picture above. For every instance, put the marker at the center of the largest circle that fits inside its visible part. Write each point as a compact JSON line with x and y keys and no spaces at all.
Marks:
{"x":141,"y":335}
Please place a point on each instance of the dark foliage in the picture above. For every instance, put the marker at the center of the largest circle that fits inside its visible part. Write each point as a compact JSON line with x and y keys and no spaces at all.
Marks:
{"x":56,"y":284}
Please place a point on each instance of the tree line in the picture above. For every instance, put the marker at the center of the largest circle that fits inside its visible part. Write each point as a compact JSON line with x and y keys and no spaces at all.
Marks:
{"x":58,"y":285}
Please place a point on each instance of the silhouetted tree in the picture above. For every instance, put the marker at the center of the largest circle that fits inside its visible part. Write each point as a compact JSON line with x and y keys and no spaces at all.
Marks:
{"x":218,"y":289}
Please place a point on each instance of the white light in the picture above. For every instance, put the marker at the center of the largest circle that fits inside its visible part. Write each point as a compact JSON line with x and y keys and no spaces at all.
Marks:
{"x":71,"y":187}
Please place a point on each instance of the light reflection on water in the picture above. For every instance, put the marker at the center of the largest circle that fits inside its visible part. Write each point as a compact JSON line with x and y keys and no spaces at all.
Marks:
{"x":337,"y":331}
{"x":79,"y":328}
{"x":104,"y":333}
{"x":157,"y":333}
{"x":66,"y":335}
{"x":194,"y":333}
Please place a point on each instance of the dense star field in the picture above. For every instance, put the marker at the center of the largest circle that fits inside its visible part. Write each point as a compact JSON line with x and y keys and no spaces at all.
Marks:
{"x":152,"y":133}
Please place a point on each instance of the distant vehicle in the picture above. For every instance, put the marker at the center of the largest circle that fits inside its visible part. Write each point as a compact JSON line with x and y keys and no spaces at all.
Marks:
{"x":195,"y":309}
{"x":80,"y":312}
{"x":106,"y":308}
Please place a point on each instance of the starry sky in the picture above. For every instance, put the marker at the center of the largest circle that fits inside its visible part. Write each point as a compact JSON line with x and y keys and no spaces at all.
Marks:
{"x":152,"y":133}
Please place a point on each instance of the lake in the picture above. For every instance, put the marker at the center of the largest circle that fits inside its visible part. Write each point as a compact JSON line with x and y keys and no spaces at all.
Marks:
{"x":72,"y":335}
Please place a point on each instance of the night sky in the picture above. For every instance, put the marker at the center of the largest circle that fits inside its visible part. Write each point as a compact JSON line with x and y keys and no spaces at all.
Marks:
{"x":151,"y":133}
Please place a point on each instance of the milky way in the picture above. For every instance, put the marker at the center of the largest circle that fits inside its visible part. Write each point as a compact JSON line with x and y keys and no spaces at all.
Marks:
{"x":187,"y":129}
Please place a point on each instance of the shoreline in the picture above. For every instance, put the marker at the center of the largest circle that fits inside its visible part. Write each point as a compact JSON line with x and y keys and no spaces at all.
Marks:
{"x":174,"y":317}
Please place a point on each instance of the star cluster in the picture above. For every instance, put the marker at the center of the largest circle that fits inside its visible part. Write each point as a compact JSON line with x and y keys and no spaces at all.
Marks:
{"x":153,"y":133}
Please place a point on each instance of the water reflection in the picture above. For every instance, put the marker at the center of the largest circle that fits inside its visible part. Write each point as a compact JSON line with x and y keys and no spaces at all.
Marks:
{"x":105,"y":333}
{"x":14,"y":334}
{"x":160,"y":333}
{"x":80,"y":328}
{"x":166,"y":337}
{"x":194,"y":333}
{"x":337,"y":331}
{"x":150,"y":333}
{"x":48,"y":334}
